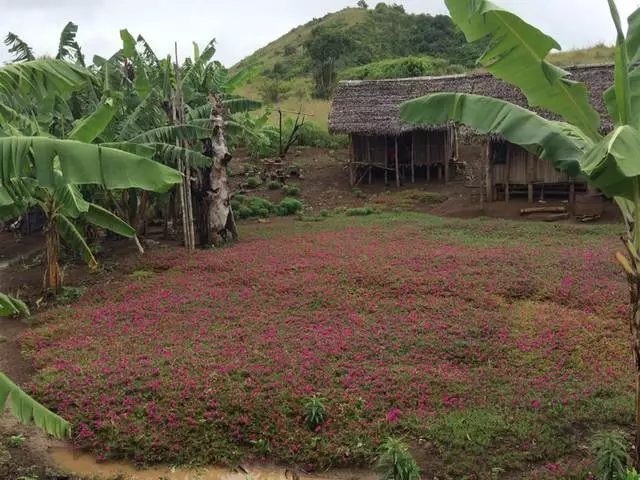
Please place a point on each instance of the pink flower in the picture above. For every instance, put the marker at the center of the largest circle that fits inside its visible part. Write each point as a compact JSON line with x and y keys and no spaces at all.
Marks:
{"x":393,"y":415}
{"x":535,"y":404}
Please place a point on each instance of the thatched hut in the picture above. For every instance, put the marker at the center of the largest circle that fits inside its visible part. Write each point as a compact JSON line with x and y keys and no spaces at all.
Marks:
{"x":368,"y":111}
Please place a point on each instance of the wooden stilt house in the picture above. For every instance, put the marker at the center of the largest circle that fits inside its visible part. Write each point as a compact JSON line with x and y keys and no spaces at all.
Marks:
{"x":382,"y":145}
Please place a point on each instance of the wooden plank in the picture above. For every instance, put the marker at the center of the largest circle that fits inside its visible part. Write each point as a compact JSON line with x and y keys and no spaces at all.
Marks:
{"x":397,"y":167}
{"x":413,"y":167}
{"x":527,"y":211}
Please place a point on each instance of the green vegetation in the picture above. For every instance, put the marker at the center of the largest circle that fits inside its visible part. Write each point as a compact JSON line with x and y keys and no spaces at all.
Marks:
{"x":256,"y":207}
{"x":396,"y":462}
{"x":359,"y":212}
{"x":315,"y":412}
{"x":291,"y":190}
{"x":405,"y":67}
{"x":612,"y":458}
{"x":274,"y":185}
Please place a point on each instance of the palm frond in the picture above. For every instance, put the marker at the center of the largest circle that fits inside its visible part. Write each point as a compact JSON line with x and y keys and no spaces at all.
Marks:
{"x":20,"y":50}
{"x":169,"y":155}
{"x":26,"y":410}
{"x":91,"y":127}
{"x":10,"y":306}
{"x":41,"y":78}
{"x":147,"y":112}
{"x":74,"y":239}
{"x":81,"y":164}
{"x":67,"y":47}
{"x":147,"y":52}
{"x":239,"y":104}
{"x":171,"y":133}
{"x":201,"y":112}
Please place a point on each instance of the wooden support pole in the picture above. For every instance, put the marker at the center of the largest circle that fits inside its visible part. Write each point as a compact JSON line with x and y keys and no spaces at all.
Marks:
{"x":397,"y":167}
{"x":530,"y":191}
{"x":448,"y":153}
{"x":572,"y":193}
{"x":386,"y":161}
{"x":369,"y":160}
{"x":487,"y":171}
{"x":507,"y":193}
{"x":352,"y":159}
{"x":413,"y":166}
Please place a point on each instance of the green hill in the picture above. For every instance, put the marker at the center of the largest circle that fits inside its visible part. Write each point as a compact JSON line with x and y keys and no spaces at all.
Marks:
{"x":359,"y":43}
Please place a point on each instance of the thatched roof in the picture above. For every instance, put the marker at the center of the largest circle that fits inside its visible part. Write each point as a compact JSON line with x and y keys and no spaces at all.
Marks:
{"x":371,"y":107}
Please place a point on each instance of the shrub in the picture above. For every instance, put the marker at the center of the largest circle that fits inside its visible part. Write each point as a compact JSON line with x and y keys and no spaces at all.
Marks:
{"x":274,"y":185}
{"x":289,"y":206}
{"x":396,"y":462}
{"x":315,"y":412}
{"x":291,"y":190}
{"x":244,"y":212}
{"x":360,"y":212}
{"x":253,"y":182}
{"x":235,"y":205}
{"x":260,"y":207}
{"x":311,"y":135}
{"x":70,"y":295}
{"x":612,"y":457}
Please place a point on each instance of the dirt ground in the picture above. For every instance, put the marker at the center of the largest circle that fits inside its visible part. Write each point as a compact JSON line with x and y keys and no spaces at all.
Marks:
{"x":324,"y":185}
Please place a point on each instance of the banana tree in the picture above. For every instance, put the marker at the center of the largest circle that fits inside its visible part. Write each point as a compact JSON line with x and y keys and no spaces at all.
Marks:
{"x":517,"y":54}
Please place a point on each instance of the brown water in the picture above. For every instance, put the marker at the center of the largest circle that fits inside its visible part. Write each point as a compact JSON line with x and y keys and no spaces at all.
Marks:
{"x":86,"y":465}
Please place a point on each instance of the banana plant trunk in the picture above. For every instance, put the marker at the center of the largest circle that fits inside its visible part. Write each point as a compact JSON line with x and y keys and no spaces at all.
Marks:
{"x":52,"y":238}
{"x":211,"y":194}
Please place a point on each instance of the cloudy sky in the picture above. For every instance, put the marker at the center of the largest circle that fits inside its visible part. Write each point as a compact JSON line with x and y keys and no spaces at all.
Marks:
{"x":242,"y":26}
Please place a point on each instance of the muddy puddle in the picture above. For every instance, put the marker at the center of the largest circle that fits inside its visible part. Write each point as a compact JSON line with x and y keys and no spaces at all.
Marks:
{"x":70,"y":461}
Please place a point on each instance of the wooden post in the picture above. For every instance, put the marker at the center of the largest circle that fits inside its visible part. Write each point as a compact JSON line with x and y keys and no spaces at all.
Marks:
{"x":413,"y":166}
{"x":397,"y":167}
{"x":506,"y":181}
{"x":352,"y":159}
{"x":488,"y":171}
{"x":369,"y":160}
{"x":530,"y":191}
{"x":386,"y":161}
{"x":447,"y":156}
{"x":572,"y":194}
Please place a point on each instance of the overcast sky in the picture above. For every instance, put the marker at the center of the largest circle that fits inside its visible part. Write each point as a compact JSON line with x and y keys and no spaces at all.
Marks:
{"x":242,"y":26}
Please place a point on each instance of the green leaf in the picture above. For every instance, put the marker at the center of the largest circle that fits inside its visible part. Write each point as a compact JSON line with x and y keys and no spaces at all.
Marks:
{"x":517,"y":53}
{"x":19,"y":48}
{"x":91,"y":127}
{"x":128,"y":44}
{"x":70,"y":200}
{"x":41,"y":78}
{"x":7,"y":307}
{"x":612,"y":164}
{"x":104,"y":218}
{"x":169,"y":155}
{"x":633,"y":37}
{"x":72,"y":237}
{"x":547,"y":139}
{"x":621,"y":84}
{"x":26,"y":409}
{"x":171,"y":133}
{"x":237,"y":104}
{"x":147,"y":111}
{"x":82,"y":164}
{"x":67,"y":47}
{"x":147,"y":52}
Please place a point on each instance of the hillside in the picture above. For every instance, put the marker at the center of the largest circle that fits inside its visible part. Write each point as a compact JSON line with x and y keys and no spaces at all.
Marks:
{"x":298,"y":69}
{"x":274,"y":52}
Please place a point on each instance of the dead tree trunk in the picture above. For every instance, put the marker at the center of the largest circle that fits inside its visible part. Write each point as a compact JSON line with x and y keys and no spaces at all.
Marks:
{"x":212,"y":197}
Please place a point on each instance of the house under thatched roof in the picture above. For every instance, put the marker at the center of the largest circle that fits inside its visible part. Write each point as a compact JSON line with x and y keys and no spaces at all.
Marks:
{"x":369,"y":111}
{"x":371,"y":107}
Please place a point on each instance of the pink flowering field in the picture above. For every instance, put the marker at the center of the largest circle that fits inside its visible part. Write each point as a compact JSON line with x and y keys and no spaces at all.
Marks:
{"x":486,"y":345}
